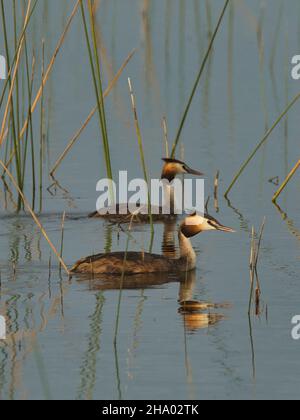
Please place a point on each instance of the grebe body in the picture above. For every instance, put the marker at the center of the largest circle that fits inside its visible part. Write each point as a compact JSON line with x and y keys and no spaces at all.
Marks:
{"x":131,"y":263}
{"x":121,"y":213}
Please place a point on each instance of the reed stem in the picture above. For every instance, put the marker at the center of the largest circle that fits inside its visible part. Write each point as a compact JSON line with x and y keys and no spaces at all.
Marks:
{"x":42,"y":132}
{"x":97,"y":84}
{"x":287,"y":180}
{"x":30,"y":82}
{"x":47,"y":73}
{"x":10,"y":99}
{"x":10,"y":65}
{"x":166,"y":139}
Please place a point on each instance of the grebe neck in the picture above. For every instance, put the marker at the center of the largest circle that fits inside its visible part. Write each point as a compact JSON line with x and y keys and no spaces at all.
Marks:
{"x":169,"y":197}
{"x":187,"y":252}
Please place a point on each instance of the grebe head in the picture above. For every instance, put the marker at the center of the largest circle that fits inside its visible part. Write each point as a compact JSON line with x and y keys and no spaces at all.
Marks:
{"x":174,"y":167}
{"x":196,"y":223}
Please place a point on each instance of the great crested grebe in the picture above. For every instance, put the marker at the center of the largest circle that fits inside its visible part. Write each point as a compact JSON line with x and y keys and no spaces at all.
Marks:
{"x":141,"y":263}
{"x":171,"y":169}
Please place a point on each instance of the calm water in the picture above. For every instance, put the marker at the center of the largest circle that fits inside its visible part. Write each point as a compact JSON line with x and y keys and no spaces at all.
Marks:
{"x":60,"y":338}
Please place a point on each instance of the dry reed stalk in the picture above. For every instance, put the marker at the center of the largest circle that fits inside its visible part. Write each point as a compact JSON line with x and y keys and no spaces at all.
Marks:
{"x":166,"y":139}
{"x":287,"y":180}
{"x":35,"y":218}
{"x":7,"y":108}
{"x":46,"y":77}
{"x":11,"y":64}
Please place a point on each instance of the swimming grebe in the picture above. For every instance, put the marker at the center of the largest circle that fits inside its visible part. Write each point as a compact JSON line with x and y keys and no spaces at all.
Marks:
{"x":171,"y":169}
{"x":119,"y":263}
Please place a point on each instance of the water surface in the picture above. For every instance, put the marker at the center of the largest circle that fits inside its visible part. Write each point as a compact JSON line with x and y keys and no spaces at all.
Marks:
{"x":61,"y":333}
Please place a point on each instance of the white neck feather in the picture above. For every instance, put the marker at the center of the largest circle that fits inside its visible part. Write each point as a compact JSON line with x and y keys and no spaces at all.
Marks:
{"x":169,"y":197}
{"x":187,"y":251}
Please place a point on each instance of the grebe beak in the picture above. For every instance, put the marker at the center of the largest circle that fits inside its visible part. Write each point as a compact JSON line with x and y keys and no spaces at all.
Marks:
{"x":225,"y":229}
{"x":191,"y":171}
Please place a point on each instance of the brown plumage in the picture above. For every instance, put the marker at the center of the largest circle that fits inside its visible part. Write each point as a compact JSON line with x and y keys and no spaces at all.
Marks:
{"x":135,"y":263}
{"x":131,"y":263}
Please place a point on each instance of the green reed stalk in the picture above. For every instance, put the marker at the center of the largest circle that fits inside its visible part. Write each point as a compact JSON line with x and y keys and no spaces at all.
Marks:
{"x":254,"y":256}
{"x":7,"y":82}
{"x":102,"y":109}
{"x":17,"y":76}
{"x":262,"y":142}
{"x":32,"y":160}
{"x":203,"y":65}
{"x":4,"y":88}
{"x":42,"y":130}
{"x":260,"y":237}
{"x":30,"y":81}
{"x":97,"y":84}
{"x":16,"y":146}
{"x":13,"y":83}
{"x":23,"y":117}
{"x":48,"y":71}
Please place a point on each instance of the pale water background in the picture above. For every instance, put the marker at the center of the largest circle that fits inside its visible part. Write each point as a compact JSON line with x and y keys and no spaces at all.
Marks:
{"x":61,"y":333}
